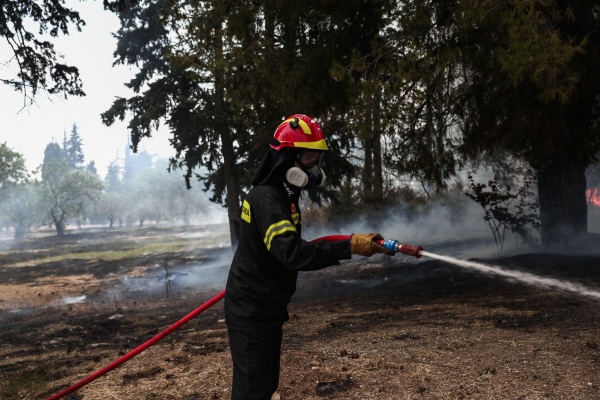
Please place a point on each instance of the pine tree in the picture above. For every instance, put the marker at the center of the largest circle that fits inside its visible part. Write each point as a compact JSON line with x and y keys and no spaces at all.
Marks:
{"x":238,"y":69}
{"x":92,"y":167}
{"x":65,"y":146}
{"x":53,"y":152}
{"x":113,"y":177}
{"x":464,"y":79}
{"x":74,"y":149}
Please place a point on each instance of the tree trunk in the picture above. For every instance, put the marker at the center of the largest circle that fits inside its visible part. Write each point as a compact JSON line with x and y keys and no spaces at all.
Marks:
{"x":227,"y":150}
{"x":58,"y":223}
{"x":563,"y":209}
{"x":367,"y":174}
{"x":376,"y":146}
{"x":111,"y":223}
{"x":60,"y":229}
{"x":20,"y":230}
{"x":230,"y":181}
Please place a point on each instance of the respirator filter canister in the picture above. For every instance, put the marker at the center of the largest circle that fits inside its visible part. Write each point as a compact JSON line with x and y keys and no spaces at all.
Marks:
{"x":300,"y":178}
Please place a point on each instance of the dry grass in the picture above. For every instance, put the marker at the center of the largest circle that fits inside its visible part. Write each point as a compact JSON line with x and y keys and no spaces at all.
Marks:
{"x":438,"y":337}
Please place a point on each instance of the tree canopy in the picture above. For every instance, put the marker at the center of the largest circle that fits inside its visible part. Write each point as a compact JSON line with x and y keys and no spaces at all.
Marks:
{"x":12,"y":166}
{"x":465,"y":79}
{"x":39,"y":67}
{"x":223,"y":74}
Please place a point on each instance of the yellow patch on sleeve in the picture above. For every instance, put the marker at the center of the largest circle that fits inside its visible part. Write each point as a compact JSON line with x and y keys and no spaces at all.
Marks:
{"x":246,"y":212}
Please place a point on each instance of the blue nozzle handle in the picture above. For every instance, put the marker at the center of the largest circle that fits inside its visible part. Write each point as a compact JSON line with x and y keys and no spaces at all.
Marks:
{"x":391,"y":244}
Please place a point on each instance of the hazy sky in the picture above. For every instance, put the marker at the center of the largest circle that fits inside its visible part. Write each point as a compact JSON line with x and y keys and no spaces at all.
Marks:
{"x":28,"y":131}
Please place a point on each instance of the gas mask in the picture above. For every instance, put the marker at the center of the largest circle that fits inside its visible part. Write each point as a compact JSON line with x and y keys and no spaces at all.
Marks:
{"x":306,"y":179}
{"x":310,"y":174}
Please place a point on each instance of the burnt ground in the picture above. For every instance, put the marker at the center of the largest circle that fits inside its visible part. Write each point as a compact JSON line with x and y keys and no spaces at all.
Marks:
{"x":380,"y":328}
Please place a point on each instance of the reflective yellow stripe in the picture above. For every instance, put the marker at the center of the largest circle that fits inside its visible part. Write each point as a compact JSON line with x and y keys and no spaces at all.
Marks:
{"x":318,"y":145}
{"x":277,"y":229}
{"x":279,"y":232}
{"x":303,"y":125}
{"x":296,"y":218}
{"x":273,"y":226}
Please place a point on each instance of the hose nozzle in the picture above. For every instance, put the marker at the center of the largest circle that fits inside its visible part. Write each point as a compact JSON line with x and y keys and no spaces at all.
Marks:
{"x":398,"y":247}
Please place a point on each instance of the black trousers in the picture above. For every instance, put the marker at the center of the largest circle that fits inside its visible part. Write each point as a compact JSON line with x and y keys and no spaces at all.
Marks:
{"x":255,"y":364}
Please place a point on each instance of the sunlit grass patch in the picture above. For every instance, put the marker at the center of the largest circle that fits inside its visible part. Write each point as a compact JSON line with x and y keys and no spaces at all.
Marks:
{"x":26,"y":383}
{"x":120,"y":250}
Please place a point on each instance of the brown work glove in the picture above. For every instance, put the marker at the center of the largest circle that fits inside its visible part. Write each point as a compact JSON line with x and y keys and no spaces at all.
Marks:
{"x":365,"y":245}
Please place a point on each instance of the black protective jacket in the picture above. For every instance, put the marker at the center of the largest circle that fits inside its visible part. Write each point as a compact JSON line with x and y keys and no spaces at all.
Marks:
{"x":262,"y":278}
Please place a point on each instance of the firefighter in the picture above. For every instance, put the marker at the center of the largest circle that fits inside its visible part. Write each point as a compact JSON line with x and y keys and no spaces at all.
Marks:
{"x":262,"y":278}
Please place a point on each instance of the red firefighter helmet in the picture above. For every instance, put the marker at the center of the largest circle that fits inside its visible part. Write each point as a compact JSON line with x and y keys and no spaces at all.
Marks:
{"x":299,"y":131}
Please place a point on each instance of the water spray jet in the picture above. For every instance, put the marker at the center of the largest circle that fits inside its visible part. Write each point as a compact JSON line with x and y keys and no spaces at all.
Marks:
{"x":522,"y":277}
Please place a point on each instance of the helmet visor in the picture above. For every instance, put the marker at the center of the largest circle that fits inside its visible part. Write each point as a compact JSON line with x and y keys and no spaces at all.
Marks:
{"x":309,"y":158}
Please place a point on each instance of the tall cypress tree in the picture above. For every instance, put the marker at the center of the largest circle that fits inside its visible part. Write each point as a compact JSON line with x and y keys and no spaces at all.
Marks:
{"x":53,"y":152}
{"x":74,"y":149}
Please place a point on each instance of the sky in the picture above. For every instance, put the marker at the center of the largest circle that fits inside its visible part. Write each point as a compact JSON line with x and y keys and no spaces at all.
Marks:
{"x":29,"y":130}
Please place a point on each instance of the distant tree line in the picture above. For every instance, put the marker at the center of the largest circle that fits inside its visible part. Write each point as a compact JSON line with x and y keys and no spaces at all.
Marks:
{"x":139,"y":189}
{"x":65,"y":190}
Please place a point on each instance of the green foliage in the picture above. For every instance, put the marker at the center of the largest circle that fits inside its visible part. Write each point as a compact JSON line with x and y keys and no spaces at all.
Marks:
{"x":153,"y":193}
{"x":503,"y":210}
{"x":73,"y":149}
{"x":39,"y":67}
{"x":12,"y":167}
{"x":439,"y":83}
{"x":113,"y":177}
{"x":53,"y":152}
{"x":536,"y":50}
{"x":20,"y":207}
{"x":16,"y":191}
{"x":27,"y":383}
{"x":233,"y":71}
{"x":470,"y":76}
{"x":134,"y":164}
{"x":112,"y":206}
{"x":63,"y":193}
{"x":463,"y":78}
{"x":91,"y":167}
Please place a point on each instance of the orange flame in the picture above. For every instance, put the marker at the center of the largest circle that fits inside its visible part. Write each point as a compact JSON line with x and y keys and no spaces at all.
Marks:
{"x":593,"y":196}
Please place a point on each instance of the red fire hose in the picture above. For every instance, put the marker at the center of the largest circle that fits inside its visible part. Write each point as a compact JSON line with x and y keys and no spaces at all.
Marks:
{"x":143,"y":347}
{"x":167,"y":332}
